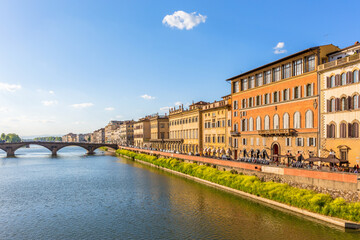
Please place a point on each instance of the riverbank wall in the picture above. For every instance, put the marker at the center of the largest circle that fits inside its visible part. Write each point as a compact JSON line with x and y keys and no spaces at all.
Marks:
{"x":331,"y":220}
{"x":337,"y":184}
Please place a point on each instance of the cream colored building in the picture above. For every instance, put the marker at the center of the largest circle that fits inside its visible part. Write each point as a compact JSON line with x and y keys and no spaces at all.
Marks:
{"x":159,"y":130}
{"x":340,"y":104}
{"x":111,"y":133}
{"x":185,"y":129}
{"x":216,"y":125}
{"x":142,"y":132}
{"x":127,"y":133}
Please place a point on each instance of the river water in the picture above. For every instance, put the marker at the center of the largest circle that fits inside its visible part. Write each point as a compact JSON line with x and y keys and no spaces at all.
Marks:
{"x":74,"y":196}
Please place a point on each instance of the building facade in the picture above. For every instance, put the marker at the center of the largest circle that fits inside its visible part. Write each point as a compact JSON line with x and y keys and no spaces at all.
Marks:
{"x":70,"y":137}
{"x":275,"y":107}
{"x":127,"y":133}
{"x":142,"y":133}
{"x":185,"y":129}
{"x":216,"y":126}
{"x":159,"y":130}
{"x":340,"y":104}
{"x":98,"y":136}
{"x":111,"y":133}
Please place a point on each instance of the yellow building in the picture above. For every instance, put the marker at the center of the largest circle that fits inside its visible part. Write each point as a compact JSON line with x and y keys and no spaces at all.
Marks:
{"x":216,"y":126}
{"x":159,"y":130}
{"x":142,"y":132}
{"x":185,"y":129}
{"x":340,"y":104}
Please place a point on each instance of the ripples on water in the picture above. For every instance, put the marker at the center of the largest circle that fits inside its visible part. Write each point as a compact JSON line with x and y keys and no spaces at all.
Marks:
{"x":74,"y":196}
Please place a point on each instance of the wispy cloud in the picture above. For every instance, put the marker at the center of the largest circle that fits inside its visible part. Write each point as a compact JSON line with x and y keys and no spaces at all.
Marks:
{"x":82,"y":105}
{"x":9,"y":87}
{"x":49,"y":103}
{"x":147,"y":97}
{"x":109,"y":109}
{"x":165,"y":109}
{"x":184,"y":20}
{"x":51,"y":92}
{"x":279,"y":49}
{"x":3,"y":109}
{"x":178,"y":103}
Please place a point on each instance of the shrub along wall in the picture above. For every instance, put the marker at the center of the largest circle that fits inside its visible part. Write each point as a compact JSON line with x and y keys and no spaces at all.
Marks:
{"x":280,"y":192}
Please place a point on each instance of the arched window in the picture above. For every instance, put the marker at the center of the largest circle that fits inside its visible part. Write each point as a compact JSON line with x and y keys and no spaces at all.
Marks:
{"x":251,"y":124}
{"x":343,"y":79}
{"x":332,"y":105}
{"x":355,"y":130}
{"x":286,"y":121}
{"x":356,"y":101}
{"x":332,"y":81}
{"x":286,"y":94}
{"x":276,"y":122}
{"x":267,"y":122}
{"x":296,"y":92}
{"x":297,"y":120}
{"x":258,"y":123}
{"x":356,"y":76}
{"x":244,"y":125}
{"x":343,"y":104}
{"x":331,"y":131}
{"x":275,"y":97}
{"x":309,"y":119}
{"x":343,"y":130}
{"x":308,"y":90}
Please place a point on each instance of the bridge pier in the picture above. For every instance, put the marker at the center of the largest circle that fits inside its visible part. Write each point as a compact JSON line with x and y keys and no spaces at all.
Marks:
{"x":10,"y":152}
{"x":54,"y":151}
{"x":90,"y":150}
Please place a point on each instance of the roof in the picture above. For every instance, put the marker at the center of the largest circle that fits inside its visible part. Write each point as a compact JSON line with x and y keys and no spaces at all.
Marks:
{"x":356,"y":44}
{"x":277,"y":61}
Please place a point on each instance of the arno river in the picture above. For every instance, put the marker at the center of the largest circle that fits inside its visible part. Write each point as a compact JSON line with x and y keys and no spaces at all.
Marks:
{"x":74,"y":196}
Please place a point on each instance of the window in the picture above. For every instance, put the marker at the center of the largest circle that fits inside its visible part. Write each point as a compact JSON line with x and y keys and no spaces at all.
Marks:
{"x":251,"y":102}
{"x":343,"y":130}
{"x":332,"y":81}
{"x":251,"y":124}
{"x":297,"y":120}
{"x":286,"y":121}
{"x":309,"y":90}
{"x":267,"y":122}
{"x":297,"y":92}
{"x":244,"y":125}
{"x":252,"y":141}
{"x":331,"y":131}
{"x":286,"y":70}
{"x":332,"y":105}
{"x":267,"y":77}
{"x":236,"y":87}
{"x":276,"y":97}
{"x":355,"y":130}
{"x":299,"y":142}
{"x":276,"y":74}
{"x":243,"y":103}
{"x":286,"y":94}
{"x":264,"y":141}
{"x":259,"y":79}
{"x":258,"y":100}
{"x":251,"y":82}
{"x":310,"y":63}
{"x":343,"y":104}
{"x":235,"y":142}
{"x":257,"y":141}
{"x":236,"y":127}
{"x":311,"y":142}
{"x":309,"y":119}
{"x":244,"y":141}
{"x":356,"y":76}
{"x":288,"y":142}
{"x":235,"y":105}
{"x":343,"y":79}
{"x":267,"y":98}
{"x":298,"y":66}
{"x":258,"y":123}
{"x":229,"y":123}
{"x":244,"y":84}
{"x":276,"y":122}
{"x":356,"y":101}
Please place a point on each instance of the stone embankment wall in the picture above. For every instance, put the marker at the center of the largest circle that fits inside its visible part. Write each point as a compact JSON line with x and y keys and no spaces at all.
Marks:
{"x":337,"y":184}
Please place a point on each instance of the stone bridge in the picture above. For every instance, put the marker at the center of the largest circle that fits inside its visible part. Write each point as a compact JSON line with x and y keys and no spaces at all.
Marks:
{"x":10,"y":148}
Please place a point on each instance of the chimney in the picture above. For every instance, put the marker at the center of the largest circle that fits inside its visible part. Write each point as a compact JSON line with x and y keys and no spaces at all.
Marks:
{"x":357,"y":42}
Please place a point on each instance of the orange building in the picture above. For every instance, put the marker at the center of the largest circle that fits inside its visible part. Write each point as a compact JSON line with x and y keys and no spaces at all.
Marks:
{"x":275,"y":107}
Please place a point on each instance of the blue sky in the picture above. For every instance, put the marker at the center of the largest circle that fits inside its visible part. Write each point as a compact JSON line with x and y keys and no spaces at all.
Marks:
{"x":71,"y":66}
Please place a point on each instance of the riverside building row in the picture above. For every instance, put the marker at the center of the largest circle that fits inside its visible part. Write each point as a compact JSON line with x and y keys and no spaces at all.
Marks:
{"x":303,"y":104}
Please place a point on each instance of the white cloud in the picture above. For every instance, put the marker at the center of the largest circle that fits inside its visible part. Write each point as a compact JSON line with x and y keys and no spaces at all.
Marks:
{"x":3,"y":109}
{"x":279,"y":48}
{"x":147,"y":97}
{"x":51,"y":92}
{"x":109,"y":109}
{"x":9,"y":87}
{"x":49,"y":103}
{"x":178,"y":103}
{"x":165,"y":109}
{"x":181,"y":20}
{"x":82,"y":105}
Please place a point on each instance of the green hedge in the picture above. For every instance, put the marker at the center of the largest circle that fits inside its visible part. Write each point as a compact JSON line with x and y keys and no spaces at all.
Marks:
{"x":283,"y":193}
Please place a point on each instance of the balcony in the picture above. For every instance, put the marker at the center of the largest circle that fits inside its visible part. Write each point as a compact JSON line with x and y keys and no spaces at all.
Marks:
{"x":339,"y":62}
{"x":235,"y":133}
{"x":277,"y":132}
